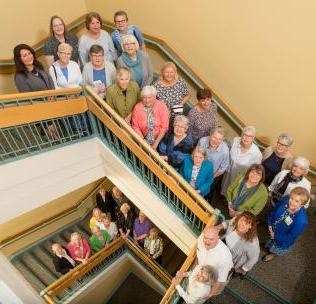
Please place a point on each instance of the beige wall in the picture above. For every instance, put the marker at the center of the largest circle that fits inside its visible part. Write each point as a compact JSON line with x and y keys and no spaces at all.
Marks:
{"x":257,"y":55}
{"x":28,"y":21}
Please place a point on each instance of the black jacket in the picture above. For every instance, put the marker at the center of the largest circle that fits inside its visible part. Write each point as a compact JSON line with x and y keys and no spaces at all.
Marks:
{"x":62,"y":265}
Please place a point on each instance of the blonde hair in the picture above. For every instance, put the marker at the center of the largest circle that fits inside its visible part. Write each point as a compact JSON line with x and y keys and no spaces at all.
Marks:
{"x":74,"y":235}
{"x":302,"y":193}
{"x":125,"y":206}
{"x":64,"y":47}
{"x":169,"y":64}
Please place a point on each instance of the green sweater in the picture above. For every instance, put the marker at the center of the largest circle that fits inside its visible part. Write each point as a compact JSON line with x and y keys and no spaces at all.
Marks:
{"x":121,"y":103}
{"x":254,"y":203}
{"x":96,"y":244}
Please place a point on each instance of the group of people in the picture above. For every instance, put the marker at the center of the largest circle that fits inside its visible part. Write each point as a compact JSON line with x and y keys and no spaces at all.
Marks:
{"x":119,"y":69}
{"x":113,"y":217}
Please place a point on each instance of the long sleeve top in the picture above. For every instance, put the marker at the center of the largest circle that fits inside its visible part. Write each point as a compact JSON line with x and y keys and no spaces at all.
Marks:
{"x":245,"y":253}
{"x":175,"y":153}
{"x":59,"y":79}
{"x":81,"y":252}
{"x":287,"y":230}
{"x":160,"y":114}
{"x":96,"y":243}
{"x":204,"y":178}
{"x":122,"y":103}
{"x":154,"y":247}
{"x":253,"y":203}
{"x":125,"y":223}
{"x":30,"y":82}
{"x":196,"y":292}
{"x":85,"y":43}
{"x":64,"y":263}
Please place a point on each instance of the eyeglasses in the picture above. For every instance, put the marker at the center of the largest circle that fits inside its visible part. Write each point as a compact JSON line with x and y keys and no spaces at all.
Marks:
{"x":129,"y":43}
{"x":64,"y":53}
{"x":283,"y":145}
{"x":120,"y":21}
{"x":97,"y":55}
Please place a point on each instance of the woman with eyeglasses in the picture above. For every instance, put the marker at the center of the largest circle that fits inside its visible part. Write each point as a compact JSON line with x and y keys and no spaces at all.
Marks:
{"x":122,"y":29}
{"x":95,"y":35}
{"x":275,"y":159}
{"x":98,"y":73}
{"x":243,"y":153}
{"x":30,"y":75}
{"x":287,"y":180}
{"x":136,"y":60}
{"x":59,"y":34}
{"x":65,"y":72}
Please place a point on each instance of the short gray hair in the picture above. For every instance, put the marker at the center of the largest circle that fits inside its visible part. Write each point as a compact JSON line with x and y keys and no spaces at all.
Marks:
{"x":199,"y":149}
{"x":95,"y":229}
{"x":285,"y":138}
{"x":220,"y":130}
{"x":129,"y":39}
{"x":301,"y":162}
{"x":249,"y":129}
{"x":149,"y":91}
{"x":182,"y":119}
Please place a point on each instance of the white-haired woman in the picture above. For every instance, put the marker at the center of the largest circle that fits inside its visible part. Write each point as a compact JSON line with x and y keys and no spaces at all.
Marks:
{"x":150,"y":117}
{"x":172,"y":89}
{"x":287,"y":180}
{"x":136,"y":60}
{"x":243,"y":154}
{"x":123,"y":95}
{"x":275,"y":159}
{"x":198,"y":171}
{"x":79,"y":248}
{"x":98,"y":72}
{"x":65,"y":72}
{"x":177,"y":144}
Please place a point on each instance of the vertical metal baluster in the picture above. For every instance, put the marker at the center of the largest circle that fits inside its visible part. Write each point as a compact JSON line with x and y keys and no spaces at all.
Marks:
{"x":60,"y":130}
{"x":17,"y":146}
{"x":27,"y":137}
{"x":39,"y":135}
{"x":47,"y":135}
{"x":24,"y":142}
{"x":29,"y":126}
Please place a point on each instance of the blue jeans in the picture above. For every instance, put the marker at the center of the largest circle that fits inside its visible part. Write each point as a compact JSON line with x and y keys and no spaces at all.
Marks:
{"x":274,"y":248}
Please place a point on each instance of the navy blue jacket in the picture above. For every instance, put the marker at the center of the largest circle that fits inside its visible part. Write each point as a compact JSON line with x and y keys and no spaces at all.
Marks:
{"x":285,"y":235}
{"x":205,"y":177}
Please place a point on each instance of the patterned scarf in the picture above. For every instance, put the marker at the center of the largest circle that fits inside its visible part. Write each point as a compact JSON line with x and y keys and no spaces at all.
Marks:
{"x":150,"y":126}
{"x":242,"y":196}
{"x":280,"y":188}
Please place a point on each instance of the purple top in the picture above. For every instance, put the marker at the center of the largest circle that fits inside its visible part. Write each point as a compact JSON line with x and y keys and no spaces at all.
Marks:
{"x":141,"y":228}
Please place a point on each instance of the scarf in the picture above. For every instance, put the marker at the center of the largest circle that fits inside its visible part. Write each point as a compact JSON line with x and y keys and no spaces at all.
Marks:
{"x":150,"y":125}
{"x":79,"y":250}
{"x":242,"y":196}
{"x":280,"y":188}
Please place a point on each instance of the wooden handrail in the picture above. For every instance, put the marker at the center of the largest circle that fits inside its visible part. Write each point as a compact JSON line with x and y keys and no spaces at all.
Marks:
{"x":38,"y":94}
{"x":48,"y":220}
{"x":79,"y":271}
{"x":146,"y":148}
{"x":136,"y":249}
{"x":187,"y":264}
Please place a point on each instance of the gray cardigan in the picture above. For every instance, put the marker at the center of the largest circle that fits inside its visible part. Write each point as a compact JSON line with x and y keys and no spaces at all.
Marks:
{"x":29,"y":82}
{"x":110,"y":74}
{"x":245,"y":254}
{"x":146,"y":68}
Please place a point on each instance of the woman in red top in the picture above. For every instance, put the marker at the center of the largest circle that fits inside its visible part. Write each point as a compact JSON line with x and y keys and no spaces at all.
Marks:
{"x":79,"y":248}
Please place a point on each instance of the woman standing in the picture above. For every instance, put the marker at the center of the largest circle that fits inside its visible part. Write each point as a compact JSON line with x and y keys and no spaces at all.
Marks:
{"x":99,"y":239}
{"x":95,"y":35}
{"x":286,"y":222}
{"x":136,"y":60}
{"x":242,"y":240}
{"x":79,"y":248}
{"x":98,"y":73}
{"x":125,"y":221}
{"x":247,"y":193}
{"x":198,"y":171}
{"x":59,"y":34}
{"x":287,"y":180}
{"x":123,"y":95}
{"x":171,"y":89}
{"x":203,"y":115}
{"x":141,"y":228}
{"x":153,"y":245}
{"x":150,"y":117}
{"x":243,"y":154}
{"x":65,"y":72}
{"x":30,"y":75}
{"x":176,"y":144}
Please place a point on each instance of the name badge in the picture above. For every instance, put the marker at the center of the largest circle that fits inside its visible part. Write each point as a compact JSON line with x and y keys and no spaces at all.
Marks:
{"x":288,"y":221}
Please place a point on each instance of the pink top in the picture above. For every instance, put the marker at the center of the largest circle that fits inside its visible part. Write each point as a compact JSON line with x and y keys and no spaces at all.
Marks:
{"x":79,"y":251}
{"x":160,"y":114}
